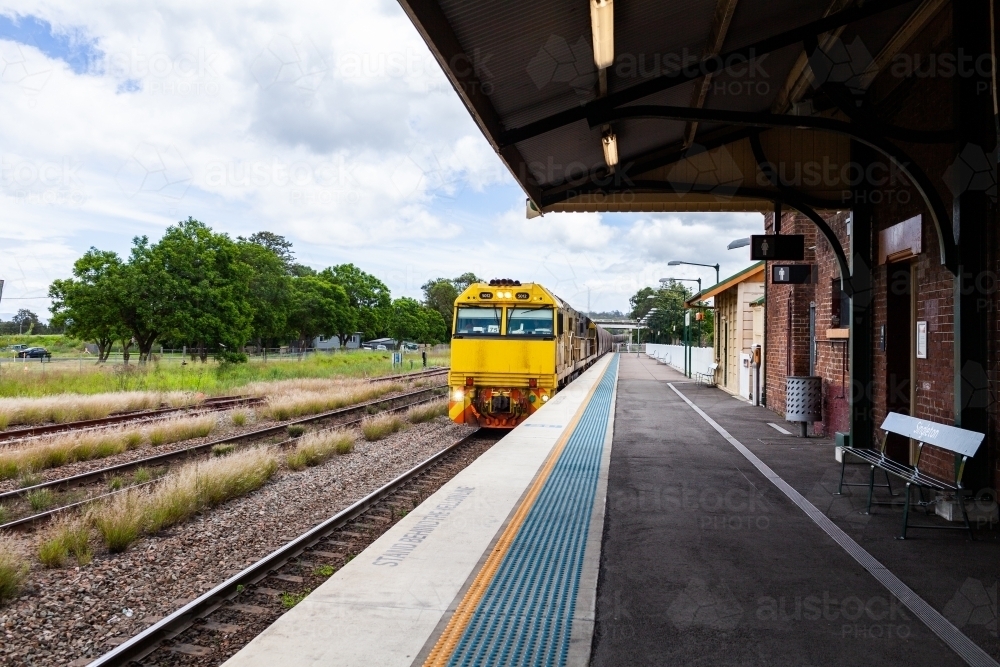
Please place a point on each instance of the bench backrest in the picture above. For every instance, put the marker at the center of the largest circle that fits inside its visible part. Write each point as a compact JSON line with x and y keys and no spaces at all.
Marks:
{"x":712,"y":368}
{"x":962,"y":443}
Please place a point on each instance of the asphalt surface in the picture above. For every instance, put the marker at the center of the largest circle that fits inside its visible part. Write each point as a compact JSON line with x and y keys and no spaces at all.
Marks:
{"x":705,"y":562}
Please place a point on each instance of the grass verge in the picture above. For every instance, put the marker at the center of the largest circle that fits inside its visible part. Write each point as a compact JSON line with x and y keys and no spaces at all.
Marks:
{"x":301,"y":402}
{"x":315,"y":448}
{"x":63,"y":408}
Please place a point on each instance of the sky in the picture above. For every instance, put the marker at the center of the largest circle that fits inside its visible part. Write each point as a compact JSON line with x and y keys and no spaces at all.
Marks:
{"x":328,"y":123}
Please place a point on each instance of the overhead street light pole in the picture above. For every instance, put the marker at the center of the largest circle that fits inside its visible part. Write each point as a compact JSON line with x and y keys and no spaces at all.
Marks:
{"x":690,"y":280}
{"x":677,"y":262}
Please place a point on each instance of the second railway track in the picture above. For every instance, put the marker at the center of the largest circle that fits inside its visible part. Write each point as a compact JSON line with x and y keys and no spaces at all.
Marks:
{"x":345,"y":416}
{"x":211,"y":404}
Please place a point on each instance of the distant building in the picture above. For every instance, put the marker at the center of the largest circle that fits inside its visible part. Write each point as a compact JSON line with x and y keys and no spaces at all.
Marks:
{"x":333,"y":342}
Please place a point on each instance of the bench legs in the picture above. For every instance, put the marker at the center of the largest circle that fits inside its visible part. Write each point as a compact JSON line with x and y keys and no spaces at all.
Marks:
{"x":842,"y":484}
{"x":906,"y":514}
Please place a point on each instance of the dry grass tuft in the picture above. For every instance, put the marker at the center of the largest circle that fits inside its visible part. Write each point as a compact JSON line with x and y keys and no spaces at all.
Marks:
{"x":61,"y":408}
{"x":67,"y":537}
{"x":315,"y":448}
{"x":239,"y":417}
{"x":180,"y":428}
{"x":381,"y":426}
{"x":426,"y":412}
{"x":73,"y":447}
{"x":13,"y":571}
{"x":292,"y":403}
{"x":195,"y":487}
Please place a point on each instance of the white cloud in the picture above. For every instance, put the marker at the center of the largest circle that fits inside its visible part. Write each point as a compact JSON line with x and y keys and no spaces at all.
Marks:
{"x":329,"y":123}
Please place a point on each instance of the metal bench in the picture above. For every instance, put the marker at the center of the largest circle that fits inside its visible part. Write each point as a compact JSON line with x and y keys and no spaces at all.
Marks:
{"x":962,"y":444}
{"x":707,"y":378}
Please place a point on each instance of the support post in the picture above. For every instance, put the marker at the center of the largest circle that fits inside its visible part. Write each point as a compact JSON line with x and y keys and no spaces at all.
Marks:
{"x":972,"y":213}
{"x":861,"y":334}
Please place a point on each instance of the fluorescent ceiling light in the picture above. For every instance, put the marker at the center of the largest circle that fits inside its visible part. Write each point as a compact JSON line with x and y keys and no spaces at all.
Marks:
{"x":602,"y":22}
{"x":610,"y":143}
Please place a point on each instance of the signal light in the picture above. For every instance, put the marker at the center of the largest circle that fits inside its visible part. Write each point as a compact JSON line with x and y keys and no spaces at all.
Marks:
{"x":470,"y":382}
{"x":533,"y":382}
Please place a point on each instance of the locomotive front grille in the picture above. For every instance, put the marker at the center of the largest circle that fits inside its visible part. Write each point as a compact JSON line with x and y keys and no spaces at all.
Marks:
{"x":500,"y":404}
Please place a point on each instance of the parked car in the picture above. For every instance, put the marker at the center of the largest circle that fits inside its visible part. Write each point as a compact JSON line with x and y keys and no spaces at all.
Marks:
{"x":34,"y":353}
{"x":17,"y":348}
{"x":380,"y":347}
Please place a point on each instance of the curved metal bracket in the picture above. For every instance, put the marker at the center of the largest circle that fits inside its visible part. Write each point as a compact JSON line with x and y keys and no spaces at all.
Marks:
{"x":935,"y":206}
{"x":789,"y":196}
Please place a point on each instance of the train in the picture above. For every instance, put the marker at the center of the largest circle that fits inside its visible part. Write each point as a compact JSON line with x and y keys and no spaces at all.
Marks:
{"x":513,"y":347}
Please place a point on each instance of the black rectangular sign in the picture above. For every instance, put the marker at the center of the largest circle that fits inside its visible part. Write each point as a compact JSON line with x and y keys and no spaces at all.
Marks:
{"x":791,"y":274}
{"x":785,"y":247}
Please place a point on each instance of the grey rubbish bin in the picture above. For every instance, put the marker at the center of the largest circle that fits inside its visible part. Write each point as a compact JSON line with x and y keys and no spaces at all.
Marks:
{"x":803,"y":400}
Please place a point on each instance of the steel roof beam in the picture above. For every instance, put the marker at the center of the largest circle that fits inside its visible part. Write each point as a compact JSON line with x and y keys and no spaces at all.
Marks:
{"x":709,"y":65}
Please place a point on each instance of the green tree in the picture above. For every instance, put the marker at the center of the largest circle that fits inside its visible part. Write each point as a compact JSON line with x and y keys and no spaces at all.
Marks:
{"x":317,"y":307}
{"x":408,"y":321}
{"x":440,"y":294}
{"x":202,"y":275}
{"x":269,"y":292}
{"x":368,"y":297}
{"x":435,"y":328}
{"x":86,"y":305}
{"x":668,"y":319}
{"x":277,"y":244}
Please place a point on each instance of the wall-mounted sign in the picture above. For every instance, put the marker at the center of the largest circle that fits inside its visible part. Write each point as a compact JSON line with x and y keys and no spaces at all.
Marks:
{"x":792,"y":274}
{"x":921,"y":340}
{"x":783,"y":247}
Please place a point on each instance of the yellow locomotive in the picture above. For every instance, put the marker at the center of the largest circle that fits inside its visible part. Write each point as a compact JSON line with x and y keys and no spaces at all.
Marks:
{"x":513,"y":347}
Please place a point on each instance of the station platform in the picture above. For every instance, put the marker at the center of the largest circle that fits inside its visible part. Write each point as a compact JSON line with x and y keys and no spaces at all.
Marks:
{"x":499,"y":566}
{"x":642,"y":519}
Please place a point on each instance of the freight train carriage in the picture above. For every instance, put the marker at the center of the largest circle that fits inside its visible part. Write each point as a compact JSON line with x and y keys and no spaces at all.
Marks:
{"x":513,"y":347}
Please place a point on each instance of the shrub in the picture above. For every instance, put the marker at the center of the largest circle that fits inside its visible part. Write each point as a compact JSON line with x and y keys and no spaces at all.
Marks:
{"x":52,"y":553}
{"x":239,"y":417}
{"x":13,"y":572}
{"x":296,"y":430}
{"x":317,"y":447}
{"x":41,"y":499}
{"x":324,"y":571}
{"x":194,"y":487}
{"x":119,"y":520}
{"x":223,"y":450}
{"x":66,"y":537}
{"x":141,"y":476}
{"x":381,"y":426}
{"x":116,"y":483}
{"x":426,"y":412}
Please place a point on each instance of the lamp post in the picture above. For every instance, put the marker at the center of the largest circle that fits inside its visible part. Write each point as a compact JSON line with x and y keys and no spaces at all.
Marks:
{"x":689,"y":280}
{"x":677,"y":262}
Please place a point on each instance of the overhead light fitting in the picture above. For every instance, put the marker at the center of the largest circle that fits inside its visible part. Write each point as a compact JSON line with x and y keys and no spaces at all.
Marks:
{"x":610,"y":144}
{"x":602,"y":22}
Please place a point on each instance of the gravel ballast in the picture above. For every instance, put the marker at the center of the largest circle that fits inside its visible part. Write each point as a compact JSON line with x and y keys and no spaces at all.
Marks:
{"x":64,"y":615}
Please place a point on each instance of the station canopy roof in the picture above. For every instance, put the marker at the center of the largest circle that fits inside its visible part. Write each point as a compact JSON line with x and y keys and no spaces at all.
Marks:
{"x":695,"y":124}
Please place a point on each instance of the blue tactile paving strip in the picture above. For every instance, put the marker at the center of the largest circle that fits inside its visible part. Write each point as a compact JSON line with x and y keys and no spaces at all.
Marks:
{"x":526,"y":614}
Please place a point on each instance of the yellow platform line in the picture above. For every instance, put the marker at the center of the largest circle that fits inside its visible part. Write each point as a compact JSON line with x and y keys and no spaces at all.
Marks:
{"x":448,"y":641}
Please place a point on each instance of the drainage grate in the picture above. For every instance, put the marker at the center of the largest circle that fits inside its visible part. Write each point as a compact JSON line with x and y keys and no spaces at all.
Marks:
{"x":526,"y":615}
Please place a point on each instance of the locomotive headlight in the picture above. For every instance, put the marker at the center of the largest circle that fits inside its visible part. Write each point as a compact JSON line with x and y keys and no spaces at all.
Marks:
{"x":458,"y":395}
{"x":544,"y":398}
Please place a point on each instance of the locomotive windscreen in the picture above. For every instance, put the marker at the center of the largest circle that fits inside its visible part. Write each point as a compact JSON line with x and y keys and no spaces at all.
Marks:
{"x":529,"y":321}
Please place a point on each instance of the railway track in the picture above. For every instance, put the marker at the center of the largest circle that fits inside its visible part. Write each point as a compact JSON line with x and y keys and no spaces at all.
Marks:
{"x":242,"y":606}
{"x":354,"y":414}
{"x":218,"y":403}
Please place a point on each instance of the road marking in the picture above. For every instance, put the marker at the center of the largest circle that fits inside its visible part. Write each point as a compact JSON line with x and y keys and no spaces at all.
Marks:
{"x":967,"y":649}
{"x":778,"y":428}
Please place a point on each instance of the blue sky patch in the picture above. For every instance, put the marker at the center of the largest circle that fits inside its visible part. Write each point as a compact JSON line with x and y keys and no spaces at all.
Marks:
{"x":72,"y":46}
{"x":129,"y":86}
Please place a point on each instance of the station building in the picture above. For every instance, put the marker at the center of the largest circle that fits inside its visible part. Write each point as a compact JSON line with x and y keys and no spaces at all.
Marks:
{"x":872,"y":123}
